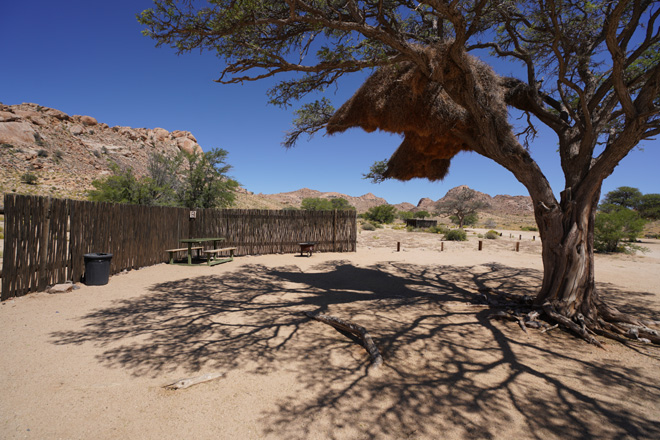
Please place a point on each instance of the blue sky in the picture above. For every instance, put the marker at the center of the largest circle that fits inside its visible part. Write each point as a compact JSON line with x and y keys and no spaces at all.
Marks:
{"x":89,"y":58}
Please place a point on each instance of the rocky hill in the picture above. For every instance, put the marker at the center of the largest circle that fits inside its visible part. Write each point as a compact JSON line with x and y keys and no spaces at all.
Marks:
{"x":67,"y":152}
{"x":500,"y":204}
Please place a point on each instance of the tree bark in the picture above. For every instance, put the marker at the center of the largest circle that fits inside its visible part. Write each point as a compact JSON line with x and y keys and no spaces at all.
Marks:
{"x":568,"y":294}
{"x":568,"y":257}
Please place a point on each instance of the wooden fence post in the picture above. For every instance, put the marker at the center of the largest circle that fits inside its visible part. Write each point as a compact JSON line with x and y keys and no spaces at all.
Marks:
{"x":481,"y":244}
{"x":42,"y":279}
{"x":334,"y":232}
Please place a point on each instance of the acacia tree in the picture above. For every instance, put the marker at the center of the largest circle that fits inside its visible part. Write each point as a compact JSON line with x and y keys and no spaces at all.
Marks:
{"x":205,"y":183}
{"x":591,"y":73}
{"x":624,"y":197}
{"x":463,"y":205}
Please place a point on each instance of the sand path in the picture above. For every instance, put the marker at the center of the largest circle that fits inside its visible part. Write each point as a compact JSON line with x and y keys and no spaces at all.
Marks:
{"x":90,"y":364}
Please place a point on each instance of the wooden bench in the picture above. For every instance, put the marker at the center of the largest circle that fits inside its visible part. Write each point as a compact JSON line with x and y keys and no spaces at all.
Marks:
{"x":174,"y":251}
{"x":307,"y":247}
{"x":211,"y":255}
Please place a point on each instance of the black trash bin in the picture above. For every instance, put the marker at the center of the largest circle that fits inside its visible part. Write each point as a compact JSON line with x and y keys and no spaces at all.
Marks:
{"x":97,"y":269}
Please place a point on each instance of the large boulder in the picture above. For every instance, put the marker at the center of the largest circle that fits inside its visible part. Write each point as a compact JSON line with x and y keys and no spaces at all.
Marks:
{"x":57,"y":114}
{"x":88,"y":120}
{"x":16,"y":132}
{"x":8,"y":116}
{"x":160,"y":134}
{"x":188,"y":145}
{"x":77,"y":129}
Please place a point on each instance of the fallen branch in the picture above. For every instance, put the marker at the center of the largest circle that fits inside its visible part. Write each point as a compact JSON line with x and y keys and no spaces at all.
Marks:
{"x":357,"y":330}
{"x":186,"y":383}
{"x":547,"y":329}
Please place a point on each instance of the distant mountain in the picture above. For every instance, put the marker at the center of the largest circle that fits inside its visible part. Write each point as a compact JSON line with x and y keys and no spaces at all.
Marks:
{"x":500,"y":204}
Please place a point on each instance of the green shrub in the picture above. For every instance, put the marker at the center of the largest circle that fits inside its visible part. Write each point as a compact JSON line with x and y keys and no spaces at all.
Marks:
{"x":29,"y":178}
{"x":456,"y":235}
{"x":39,"y":140}
{"x":368,"y":227}
{"x":404,"y":215}
{"x":437,"y":230}
{"x":42,"y":153}
{"x":381,"y":214}
{"x":319,"y":204}
{"x":492,"y":235}
{"x":490,"y":223}
{"x":617,"y":230}
{"x":529,"y":228}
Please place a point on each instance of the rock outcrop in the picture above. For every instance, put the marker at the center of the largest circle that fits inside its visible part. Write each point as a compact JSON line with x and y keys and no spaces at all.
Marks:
{"x":500,"y":204}
{"x":67,"y":152}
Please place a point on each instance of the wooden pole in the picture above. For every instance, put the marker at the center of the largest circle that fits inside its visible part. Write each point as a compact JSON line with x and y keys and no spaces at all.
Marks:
{"x":442,"y":246}
{"x":517,"y":246}
{"x":334,"y":232}
{"x":398,"y":246}
{"x":481,"y":244}
{"x":43,"y":243}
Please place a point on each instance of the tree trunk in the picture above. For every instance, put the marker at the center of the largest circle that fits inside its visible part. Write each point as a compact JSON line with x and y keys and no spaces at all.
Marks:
{"x":568,"y":258}
{"x":568,"y":294}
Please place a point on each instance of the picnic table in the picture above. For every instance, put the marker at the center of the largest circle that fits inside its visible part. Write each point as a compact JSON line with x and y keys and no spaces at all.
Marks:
{"x":211,"y":254}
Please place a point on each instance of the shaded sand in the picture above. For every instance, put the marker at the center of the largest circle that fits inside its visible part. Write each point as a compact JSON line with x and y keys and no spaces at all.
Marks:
{"x":91,"y":364}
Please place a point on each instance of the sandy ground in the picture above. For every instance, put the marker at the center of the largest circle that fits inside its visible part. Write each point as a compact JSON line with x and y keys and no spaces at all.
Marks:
{"x":92,"y":363}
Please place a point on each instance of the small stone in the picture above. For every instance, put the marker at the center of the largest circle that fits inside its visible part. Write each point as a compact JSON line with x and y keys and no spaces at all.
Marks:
{"x":61,"y":288}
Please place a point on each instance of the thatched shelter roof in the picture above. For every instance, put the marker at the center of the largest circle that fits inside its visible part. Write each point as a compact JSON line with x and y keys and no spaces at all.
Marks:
{"x":401,"y":99}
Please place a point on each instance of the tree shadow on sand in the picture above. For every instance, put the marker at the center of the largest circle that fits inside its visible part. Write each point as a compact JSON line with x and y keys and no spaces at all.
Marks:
{"x":448,"y":369}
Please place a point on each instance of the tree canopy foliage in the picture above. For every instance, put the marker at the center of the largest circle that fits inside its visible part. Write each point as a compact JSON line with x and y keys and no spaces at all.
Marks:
{"x":617,"y":230}
{"x":319,"y":204}
{"x":462,"y":208}
{"x":589,"y":71}
{"x":205,"y":183}
{"x":188,"y":180}
{"x":623,"y":197}
{"x":380,"y":214}
{"x":647,"y":205}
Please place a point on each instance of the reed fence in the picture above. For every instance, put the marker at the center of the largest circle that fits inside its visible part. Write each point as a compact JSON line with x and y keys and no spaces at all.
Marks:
{"x":46,"y":239}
